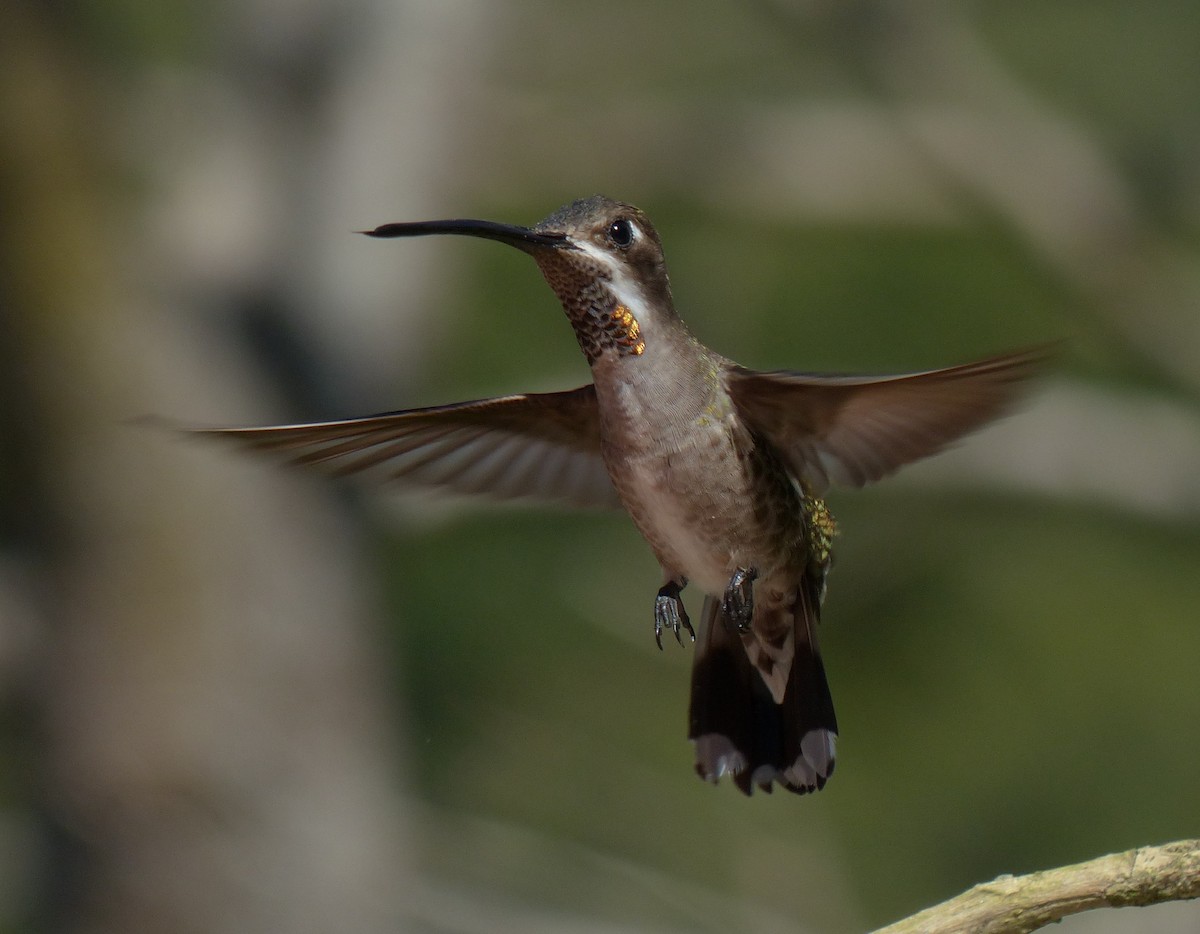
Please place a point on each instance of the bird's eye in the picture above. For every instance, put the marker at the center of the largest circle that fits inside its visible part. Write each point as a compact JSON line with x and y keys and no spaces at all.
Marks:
{"x":620,"y":232}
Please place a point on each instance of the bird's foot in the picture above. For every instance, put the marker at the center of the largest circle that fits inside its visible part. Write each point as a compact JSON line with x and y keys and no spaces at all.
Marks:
{"x":670,"y":614}
{"x":738,"y":601}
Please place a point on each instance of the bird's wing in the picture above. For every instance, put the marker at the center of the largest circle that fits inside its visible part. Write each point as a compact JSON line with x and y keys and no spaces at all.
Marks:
{"x":853,"y":430}
{"x":544,"y":446}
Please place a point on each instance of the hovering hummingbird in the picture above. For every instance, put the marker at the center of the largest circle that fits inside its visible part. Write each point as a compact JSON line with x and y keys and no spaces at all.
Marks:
{"x":721,"y":468}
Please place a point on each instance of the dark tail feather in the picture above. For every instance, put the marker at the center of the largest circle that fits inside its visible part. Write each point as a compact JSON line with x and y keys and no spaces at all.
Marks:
{"x":737,"y":727}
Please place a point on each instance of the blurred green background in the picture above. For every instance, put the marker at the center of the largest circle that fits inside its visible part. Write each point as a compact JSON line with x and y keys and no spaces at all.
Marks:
{"x":236,"y":698}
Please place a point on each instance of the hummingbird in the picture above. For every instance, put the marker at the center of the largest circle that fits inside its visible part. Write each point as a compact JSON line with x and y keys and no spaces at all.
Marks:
{"x":722,"y":469}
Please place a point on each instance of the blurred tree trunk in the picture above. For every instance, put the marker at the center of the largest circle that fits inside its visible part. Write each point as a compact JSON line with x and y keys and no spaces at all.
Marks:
{"x":208,"y":732}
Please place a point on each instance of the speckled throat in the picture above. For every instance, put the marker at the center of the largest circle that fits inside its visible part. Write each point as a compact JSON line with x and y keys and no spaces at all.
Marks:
{"x":600,"y":321}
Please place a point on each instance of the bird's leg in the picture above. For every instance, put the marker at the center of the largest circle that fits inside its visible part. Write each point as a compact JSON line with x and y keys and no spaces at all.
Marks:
{"x":669,"y":611}
{"x":738,"y":601}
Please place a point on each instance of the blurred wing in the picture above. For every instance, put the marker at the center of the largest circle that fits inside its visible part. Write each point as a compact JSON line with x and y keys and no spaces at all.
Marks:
{"x":545,"y":446}
{"x":851,"y":430}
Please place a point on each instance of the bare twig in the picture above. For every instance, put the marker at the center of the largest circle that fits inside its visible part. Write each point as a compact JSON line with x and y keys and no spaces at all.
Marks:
{"x":1018,"y":904}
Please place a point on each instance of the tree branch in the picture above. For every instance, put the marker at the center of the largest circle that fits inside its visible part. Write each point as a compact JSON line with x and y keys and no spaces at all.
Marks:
{"x":1018,"y":904}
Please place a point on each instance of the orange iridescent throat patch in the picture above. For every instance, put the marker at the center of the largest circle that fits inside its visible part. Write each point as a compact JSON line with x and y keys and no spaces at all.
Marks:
{"x":626,"y":332}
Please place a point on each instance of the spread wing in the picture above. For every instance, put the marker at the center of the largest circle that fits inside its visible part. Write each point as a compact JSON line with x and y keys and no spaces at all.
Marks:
{"x":852,"y":430}
{"x":545,"y":446}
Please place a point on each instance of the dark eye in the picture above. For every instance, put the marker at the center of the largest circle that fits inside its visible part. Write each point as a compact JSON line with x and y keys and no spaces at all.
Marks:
{"x":620,"y":232}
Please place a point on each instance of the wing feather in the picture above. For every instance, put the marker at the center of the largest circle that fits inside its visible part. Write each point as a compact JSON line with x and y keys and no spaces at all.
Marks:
{"x":853,"y":430}
{"x":544,"y":446}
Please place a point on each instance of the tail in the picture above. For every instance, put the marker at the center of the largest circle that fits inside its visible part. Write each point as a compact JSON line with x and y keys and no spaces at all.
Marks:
{"x":737,"y":726}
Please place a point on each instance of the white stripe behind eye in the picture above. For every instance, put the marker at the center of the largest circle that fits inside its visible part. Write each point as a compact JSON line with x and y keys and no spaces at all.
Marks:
{"x":626,"y":289}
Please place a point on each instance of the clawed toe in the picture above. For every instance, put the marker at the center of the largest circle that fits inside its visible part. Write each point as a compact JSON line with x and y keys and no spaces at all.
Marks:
{"x":670,"y":614}
{"x":738,"y":600}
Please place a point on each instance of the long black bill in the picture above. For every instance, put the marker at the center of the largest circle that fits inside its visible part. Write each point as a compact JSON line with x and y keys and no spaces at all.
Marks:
{"x":523,"y":238}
